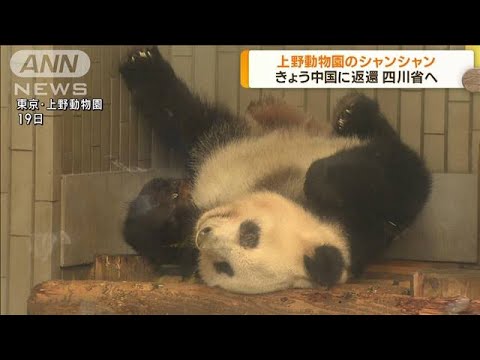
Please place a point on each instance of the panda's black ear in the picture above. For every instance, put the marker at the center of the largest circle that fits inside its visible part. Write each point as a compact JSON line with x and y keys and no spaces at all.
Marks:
{"x":326,"y":265}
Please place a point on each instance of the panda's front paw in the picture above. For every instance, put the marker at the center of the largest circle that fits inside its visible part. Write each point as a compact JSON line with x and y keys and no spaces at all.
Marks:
{"x":326,"y":267}
{"x":356,"y":115}
{"x":143,"y":66}
{"x":143,"y":55}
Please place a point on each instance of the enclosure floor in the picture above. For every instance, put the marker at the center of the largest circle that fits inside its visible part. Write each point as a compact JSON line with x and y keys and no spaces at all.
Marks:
{"x":127,"y":285}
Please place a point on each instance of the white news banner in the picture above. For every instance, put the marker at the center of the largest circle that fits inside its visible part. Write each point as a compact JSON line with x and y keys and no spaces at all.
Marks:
{"x":355,"y":68}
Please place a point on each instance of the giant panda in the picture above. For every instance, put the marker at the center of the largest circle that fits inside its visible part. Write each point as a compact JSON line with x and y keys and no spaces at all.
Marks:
{"x":271,"y":200}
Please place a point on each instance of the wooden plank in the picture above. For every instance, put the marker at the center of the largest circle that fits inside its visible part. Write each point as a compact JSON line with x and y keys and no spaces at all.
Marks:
{"x":459,"y":95}
{"x":227,"y":48}
{"x":144,"y":139}
{"x":93,"y":210}
{"x":87,"y":133}
{"x":389,"y":47}
{"x":77,"y":144}
{"x":133,"y":137}
{"x":22,"y":135}
{"x":95,"y":92}
{"x":47,"y":159}
{"x":104,"y":148}
{"x":5,"y":142}
{"x":5,"y":77}
{"x":403,"y":273}
{"x":4,"y":237}
{"x":114,"y":123}
{"x":124,"y":136}
{"x":43,"y":242}
{"x":413,"y":47}
{"x":105,"y":66}
{"x":123,"y":268}
{"x":205,"y":62}
{"x":475,"y":150}
{"x":436,"y":47}
{"x":228,"y":78}
{"x":411,"y":118}
{"x":94,"y":52}
{"x":476,"y":111}
{"x":99,"y":297}
{"x":67,"y":142}
{"x":115,"y":64}
{"x":57,"y":155}
{"x":361,"y":47}
{"x":20,"y":274}
{"x":3,"y":296}
{"x":446,"y":230}
{"x":447,"y":283}
{"x":434,"y":111}
{"x":389,"y":103}
{"x":21,"y":193}
{"x":295,"y":97}
{"x":166,"y":51}
{"x":80,"y":272}
{"x":458,"y":135}
{"x":124,"y":94}
{"x":182,"y":50}
{"x":96,"y":159}
{"x":183,"y":66}
{"x":56,"y":240}
{"x":433,"y":152}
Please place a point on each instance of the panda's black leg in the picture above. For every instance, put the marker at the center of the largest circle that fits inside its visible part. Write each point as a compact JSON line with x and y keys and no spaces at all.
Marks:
{"x":159,"y":223}
{"x":375,"y":190}
{"x":177,"y":115}
{"x":351,"y":187}
{"x":359,"y":115}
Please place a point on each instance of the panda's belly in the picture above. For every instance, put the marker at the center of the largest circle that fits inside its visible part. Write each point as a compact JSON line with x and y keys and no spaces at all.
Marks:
{"x":279,"y":159}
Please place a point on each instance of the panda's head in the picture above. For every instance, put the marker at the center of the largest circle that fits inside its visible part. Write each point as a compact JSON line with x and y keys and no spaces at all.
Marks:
{"x":265,"y":242}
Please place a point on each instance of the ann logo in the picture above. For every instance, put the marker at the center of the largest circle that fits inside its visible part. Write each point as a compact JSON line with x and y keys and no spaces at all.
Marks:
{"x":50,"y":63}
{"x":59,"y":63}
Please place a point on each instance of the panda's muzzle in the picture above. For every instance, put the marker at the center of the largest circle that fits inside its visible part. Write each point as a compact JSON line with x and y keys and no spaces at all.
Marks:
{"x":203,"y":236}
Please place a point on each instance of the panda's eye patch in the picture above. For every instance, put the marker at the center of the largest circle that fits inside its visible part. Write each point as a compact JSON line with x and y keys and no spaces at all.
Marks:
{"x":249,"y":234}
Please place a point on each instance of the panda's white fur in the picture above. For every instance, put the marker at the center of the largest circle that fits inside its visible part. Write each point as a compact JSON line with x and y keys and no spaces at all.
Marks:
{"x":226,"y":184}
{"x":233,"y":170}
{"x":288,"y":233}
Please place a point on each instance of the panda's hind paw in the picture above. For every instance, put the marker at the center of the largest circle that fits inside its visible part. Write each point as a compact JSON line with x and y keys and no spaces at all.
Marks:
{"x":143,"y":66}
{"x":356,"y":115}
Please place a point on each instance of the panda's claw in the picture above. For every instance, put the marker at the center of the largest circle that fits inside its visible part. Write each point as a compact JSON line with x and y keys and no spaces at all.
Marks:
{"x":357,"y":115}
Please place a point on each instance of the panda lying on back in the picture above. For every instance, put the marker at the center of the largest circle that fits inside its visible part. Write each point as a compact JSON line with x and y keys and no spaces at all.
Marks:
{"x":273,"y":201}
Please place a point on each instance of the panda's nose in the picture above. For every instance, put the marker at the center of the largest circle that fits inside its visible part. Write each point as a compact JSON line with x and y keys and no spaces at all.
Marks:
{"x":203,"y":235}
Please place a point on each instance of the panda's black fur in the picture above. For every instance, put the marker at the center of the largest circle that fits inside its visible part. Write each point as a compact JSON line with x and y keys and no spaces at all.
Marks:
{"x":374,"y":190}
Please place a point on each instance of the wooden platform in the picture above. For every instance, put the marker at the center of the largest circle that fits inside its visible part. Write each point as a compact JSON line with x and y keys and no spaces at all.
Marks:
{"x":127,"y":285}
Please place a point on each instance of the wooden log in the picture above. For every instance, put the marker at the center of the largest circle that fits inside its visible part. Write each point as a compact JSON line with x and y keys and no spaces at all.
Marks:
{"x":447,"y":283}
{"x":101,"y":297}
